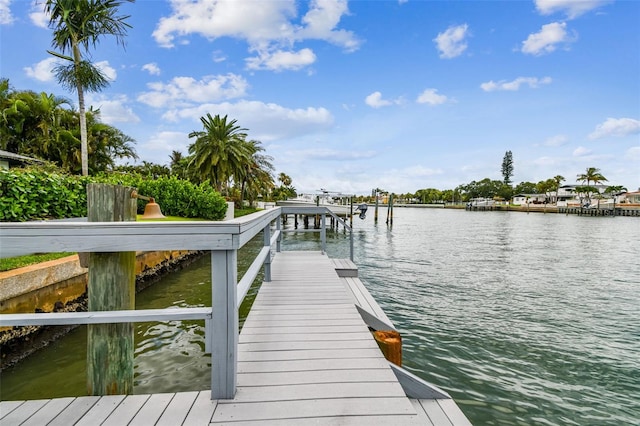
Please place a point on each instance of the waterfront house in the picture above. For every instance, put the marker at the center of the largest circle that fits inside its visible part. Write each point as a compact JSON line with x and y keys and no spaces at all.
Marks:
{"x":629,"y":198}
{"x":520,"y":199}
{"x":9,"y":159}
{"x":567,"y":195}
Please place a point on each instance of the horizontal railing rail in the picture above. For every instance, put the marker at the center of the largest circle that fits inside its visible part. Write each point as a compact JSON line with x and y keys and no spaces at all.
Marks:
{"x":222,"y":239}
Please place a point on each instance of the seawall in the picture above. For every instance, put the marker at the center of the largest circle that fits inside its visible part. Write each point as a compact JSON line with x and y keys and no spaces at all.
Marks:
{"x":61,"y":286}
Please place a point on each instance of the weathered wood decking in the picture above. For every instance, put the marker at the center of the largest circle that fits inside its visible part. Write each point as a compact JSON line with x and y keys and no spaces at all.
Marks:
{"x":305,"y":357}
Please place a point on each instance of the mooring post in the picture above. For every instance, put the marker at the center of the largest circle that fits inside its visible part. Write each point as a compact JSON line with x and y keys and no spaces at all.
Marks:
{"x":375,"y":214}
{"x":111,"y":287}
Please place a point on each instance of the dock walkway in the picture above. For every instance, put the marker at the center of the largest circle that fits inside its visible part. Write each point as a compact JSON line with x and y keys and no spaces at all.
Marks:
{"x":305,"y":357}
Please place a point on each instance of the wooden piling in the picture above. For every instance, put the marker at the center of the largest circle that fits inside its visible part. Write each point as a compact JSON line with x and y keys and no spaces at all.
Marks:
{"x":111,"y":287}
{"x":375,"y":214}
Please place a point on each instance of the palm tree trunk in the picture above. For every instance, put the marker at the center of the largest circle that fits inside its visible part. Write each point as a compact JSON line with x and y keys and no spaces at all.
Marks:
{"x":84,"y":151}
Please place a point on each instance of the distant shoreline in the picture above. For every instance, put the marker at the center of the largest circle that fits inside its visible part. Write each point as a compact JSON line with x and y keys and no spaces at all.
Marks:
{"x":620,"y":210}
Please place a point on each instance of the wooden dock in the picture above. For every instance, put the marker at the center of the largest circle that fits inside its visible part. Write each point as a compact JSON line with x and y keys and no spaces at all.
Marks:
{"x":305,"y":356}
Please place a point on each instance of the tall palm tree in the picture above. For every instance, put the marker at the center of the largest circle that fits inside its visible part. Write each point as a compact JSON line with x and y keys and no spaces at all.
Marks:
{"x":592,"y":174}
{"x":558,"y":179}
{"x":219,"y":149}
{"x":77,"y":26}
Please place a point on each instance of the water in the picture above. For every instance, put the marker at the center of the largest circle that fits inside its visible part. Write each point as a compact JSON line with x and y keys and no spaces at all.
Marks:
{"x":525,"y":319}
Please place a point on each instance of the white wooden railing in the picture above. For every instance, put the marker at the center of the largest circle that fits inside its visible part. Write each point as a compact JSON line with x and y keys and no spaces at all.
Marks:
{"x":222,"y":239}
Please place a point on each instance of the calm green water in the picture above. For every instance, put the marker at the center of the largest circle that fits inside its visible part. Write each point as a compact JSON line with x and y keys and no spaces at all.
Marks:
{"x":525,"y":319}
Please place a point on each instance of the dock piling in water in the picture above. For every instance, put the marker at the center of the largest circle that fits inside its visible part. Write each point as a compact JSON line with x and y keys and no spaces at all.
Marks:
{"x":111,"y":287}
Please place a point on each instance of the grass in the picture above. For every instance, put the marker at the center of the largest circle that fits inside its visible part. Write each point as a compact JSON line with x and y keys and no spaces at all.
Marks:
{"x":244,"y":212}
{"x":20,"y":261}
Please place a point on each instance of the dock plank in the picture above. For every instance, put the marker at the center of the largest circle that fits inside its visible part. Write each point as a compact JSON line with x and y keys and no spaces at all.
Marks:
{"x":74,"y":411}
{"x":48,"y":412}
{"x":102,"y":409}
{"x":177,"y":409}
{"x":126,"y":410}
{"x":277,"y":410}
{"x":152,"y":410}
{"x":23,"y":412}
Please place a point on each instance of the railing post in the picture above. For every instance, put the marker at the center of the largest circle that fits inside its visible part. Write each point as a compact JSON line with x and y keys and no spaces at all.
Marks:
{"x":224,"y":344}
{"x":279,"y":228}
{"x":351,"y":243}
{"x":267,"y":261}
{"x":323,"y":233}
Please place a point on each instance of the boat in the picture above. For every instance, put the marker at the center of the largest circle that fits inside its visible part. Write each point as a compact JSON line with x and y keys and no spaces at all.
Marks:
{"x":323,"y":199}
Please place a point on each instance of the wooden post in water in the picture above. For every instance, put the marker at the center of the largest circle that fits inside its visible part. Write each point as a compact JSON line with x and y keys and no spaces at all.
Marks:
{"x":390,"y":210}
{"x":375,"y":214}
{"x":111,"y":287}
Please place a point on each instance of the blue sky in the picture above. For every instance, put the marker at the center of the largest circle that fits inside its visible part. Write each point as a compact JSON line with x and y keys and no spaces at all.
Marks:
{"x":350,"y":96}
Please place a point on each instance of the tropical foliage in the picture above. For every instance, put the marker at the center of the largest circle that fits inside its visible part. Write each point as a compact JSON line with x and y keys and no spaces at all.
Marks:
{"x":77,"y":27}
{"x":34,"y":193}
{"x":222,"y":154}
{"x":41,"y":126}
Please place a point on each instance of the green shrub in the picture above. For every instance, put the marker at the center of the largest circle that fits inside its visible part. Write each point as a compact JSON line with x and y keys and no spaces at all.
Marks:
{"x":32,"y":194}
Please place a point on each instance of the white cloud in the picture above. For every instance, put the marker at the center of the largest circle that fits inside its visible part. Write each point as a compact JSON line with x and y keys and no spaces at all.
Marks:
{"x":572,"y":8}
{"x":431,"y":97}
{"x":451,"y":43}
{"x":325,"y":154}
{"x":375,"y":100}
{"x":113,"y":110}
{"x":557,"y":140}
{"x":268,"y":27}
{"x":107,"y":70}
{"x":266,"y":121}
{"x":37,"y":15}
{"x":188,"y":90}
{"x":43,"y":70}
{"x":633,"y":154}
{"x":514,"y":85}
{"x":282,"y":60}
{"x":6,"y":17}
{"x":581,"y":151}
{"x":616,"y":127}
{"x":161,"y":145}
{"x":321,"y":21}
{"x":547,"y":39}
{"x":152,"y":68}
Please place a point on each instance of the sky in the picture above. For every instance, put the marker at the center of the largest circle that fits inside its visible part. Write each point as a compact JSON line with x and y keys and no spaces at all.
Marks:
{"x":351,"y":96}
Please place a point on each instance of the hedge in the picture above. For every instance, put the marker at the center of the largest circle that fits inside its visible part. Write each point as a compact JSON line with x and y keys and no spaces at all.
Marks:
{"x":33,"y":194}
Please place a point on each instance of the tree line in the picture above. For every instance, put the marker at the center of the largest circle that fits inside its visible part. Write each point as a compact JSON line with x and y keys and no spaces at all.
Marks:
{"x":504,"y":190}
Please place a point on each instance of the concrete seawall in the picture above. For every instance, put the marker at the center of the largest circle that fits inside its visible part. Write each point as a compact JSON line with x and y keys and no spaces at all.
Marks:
{"x":40,"y":287}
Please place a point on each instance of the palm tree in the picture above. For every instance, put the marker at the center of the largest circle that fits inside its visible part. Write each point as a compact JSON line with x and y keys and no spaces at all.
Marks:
{"x":256,"y":177}
{"x":558,"y":179}
{"x":77,"y":26}
{"x":218,"y":151}
{"x":284,"y":179}
{"x":614,"y":190}
{"x":592,"y":174}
